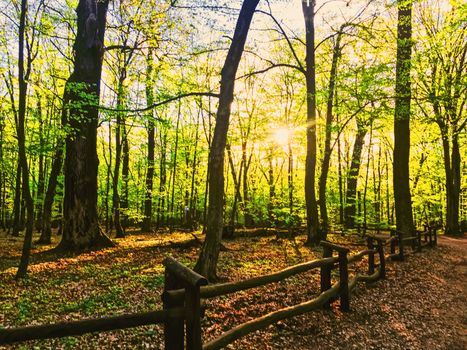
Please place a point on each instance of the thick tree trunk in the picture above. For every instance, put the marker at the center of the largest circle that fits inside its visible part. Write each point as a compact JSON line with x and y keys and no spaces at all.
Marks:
{"x":80,"y":220}
{"x":207,"y":262}
{"x":452,"y":164}
{"x":350,"y":210}
{"x":401,"y":180}
{"x":313,"y":229}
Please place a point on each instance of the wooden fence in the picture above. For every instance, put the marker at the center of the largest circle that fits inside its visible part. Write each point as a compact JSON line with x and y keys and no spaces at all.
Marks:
{"x":184,"y":290}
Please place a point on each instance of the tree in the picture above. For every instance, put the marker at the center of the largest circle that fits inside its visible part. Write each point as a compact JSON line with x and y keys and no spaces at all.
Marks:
{"x":442,"y":82}
{"x":147,"y":221}
{"x":313,"y":229}
{"x":402,"y":197}
{"x":207,"y":261}
{"x":80,"y":220}
{"x":23,"y":75}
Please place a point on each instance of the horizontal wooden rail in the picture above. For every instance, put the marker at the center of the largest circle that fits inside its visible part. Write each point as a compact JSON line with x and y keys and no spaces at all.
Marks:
{"x":360,"y":255}
{"x":261,"y":322}
{"x":384,"y":238}
{"x":73,"y":328}
{"x":215,"y":290}
{"x":364,"y":278}
{"x":273,"y":317}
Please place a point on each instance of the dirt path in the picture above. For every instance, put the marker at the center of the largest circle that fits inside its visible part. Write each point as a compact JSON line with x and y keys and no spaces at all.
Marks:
{"x":421,"y":304}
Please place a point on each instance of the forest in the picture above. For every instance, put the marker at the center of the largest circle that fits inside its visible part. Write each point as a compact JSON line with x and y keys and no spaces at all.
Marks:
{"x":201,"y":124}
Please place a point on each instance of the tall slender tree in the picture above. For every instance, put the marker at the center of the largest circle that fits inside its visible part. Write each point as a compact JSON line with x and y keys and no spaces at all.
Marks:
{"x":313,"y":229}
{"x":147,"y":221}
{"x":23,"y":76}
{"x":207,"y":261}
{"x":402,"y":197}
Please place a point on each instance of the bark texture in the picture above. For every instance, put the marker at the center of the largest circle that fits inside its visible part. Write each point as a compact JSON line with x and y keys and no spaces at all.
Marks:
{"x":313,"y":229}
{"x":402,"y":197}
{"x":80,"y":220}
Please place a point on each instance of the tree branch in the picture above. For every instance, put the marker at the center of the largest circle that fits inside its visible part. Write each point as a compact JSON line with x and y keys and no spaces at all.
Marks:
{"x":160,"y":103}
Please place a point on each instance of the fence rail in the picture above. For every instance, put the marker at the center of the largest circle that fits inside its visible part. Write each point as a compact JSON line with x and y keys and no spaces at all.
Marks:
{"x":184,"y":290}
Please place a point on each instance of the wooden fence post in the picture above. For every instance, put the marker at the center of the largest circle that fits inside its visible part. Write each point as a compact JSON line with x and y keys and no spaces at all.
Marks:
{"x":344,"y":280}
{"x":382,"y":261}
{"x":173,"y":328}
{"x":371,"y":256}
{"x":192,"y":282}
{"x":344,"y":294}
{"x":193,"y":316}
{"x":326,"y":275}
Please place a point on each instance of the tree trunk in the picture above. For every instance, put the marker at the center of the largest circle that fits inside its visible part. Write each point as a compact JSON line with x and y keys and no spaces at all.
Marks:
{"x":207,"y":262}
{"x":118,"y":158}
{"x":124,"y":202}
{"x":2,"y":179}
{"x":272,"y":187}
{"x":341,"y":187}
{"x":327,"y":142}
{"x":192,"y":217}
{"x":162,"y":176}
{"x":147,"y":220}
{"x":246,"y":199}
{"x":41,"y":175}
{"x":401,"y":185}
{"x":46,"y":232}
{"x":365,"y":189}
{"x":23,"y":76}
{"x":313,"y":229}
{"x":17,"y":202}
{"x":236,"y":181}
{"x":453,"y":177}
{"x":174,"y":170}
{"x":81,"y":229}
{"x":290,"y":184}
{"x":350,"y":209}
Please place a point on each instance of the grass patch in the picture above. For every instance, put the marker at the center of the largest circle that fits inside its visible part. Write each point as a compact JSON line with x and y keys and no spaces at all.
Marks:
{"x":98,"y":303}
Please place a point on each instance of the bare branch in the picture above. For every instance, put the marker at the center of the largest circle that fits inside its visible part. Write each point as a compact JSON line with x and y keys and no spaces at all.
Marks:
{"x":157,"y":104}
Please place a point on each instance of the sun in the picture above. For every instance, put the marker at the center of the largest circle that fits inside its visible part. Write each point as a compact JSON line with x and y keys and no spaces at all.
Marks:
{"x":281,"y":136}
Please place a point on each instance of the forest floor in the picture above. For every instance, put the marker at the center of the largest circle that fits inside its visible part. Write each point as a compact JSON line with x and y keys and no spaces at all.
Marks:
{"x":421,"y":304}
